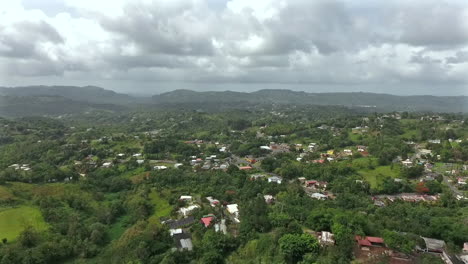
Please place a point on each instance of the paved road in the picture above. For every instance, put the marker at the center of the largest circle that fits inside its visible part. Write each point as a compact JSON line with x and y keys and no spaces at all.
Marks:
{"x":453,"y":188}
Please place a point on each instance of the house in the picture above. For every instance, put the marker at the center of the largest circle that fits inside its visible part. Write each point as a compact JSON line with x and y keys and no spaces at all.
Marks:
{"x":428,"y":167}
{"x":318,"y":196}
{"x":257,"y":176}
{"x":213,"y":202}
{"x":245,"y":168}
{"x":107,"y":164}
{"x":234,"y":211}
{"x":187,"y":210}
{"x":186,"y":198}
{"x":425,"y":152}
{"x":207,"y":220}
{"x":265,"y":148}
{"x":312,"y":147}
{"x":268,"y":198}
{"x":160,"y":167}
{"x":407,"y":163}
{"x":369,"y":241}
{"x":461,"y":181}
{"x":348,"y":152}
{"x":316,"y":184}
{"x":310,"y":183}
{"x":177,"y":165}
{"x":140,"y":161}
{"x":174,"y":224}
{"x":221,"y":227}
{"x":379,"y":203}
{"x":361,"y":148}
{"x":326,"y":238}
{"x":434,"y":141}
{"x":183,"y":241}
{"x":175,"y":231}
{"x":275,"y":179}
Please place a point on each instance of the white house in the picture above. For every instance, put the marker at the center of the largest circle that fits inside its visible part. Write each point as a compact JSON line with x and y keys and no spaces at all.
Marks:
{"x":319,"y":196}
{"x":187,"y":210}
{"x":275,"y":179}
{"x":107,"y":164}
{"x":407,"y":163}
{"x":234,"y":211}
{"x":186,"y":198}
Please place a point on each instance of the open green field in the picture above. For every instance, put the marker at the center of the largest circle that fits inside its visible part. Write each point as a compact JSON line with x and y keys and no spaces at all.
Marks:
{"x":409,"y":133}
{"x":354,"y":137}
{"x":161,"y":207}
{"x":375,"y":177}
{"x":14,"y":220}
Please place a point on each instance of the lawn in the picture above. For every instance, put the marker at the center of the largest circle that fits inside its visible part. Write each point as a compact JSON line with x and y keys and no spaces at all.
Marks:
{"x":375,"y":177}
{"x":14,"y":220}
{"x":161,"y":207}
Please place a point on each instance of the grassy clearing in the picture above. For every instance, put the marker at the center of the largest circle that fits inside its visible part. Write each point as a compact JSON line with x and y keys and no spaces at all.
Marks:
{"x":375,"y":177}
{"x":161,"y":207}
{"x":14,"y":220}
{"x":410,"y":134}
{"x":118,"y":228}
{"x":355,"y":137}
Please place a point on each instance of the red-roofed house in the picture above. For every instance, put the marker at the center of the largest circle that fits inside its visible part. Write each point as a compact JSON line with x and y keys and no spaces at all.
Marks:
{"x":310,"y":183}
{"x":245,"y":168}
{"x":206,"y":221}
{"x":370,"y":241}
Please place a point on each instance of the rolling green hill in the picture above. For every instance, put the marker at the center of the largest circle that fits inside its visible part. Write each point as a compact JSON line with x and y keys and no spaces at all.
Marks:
{"x":381,"y":102}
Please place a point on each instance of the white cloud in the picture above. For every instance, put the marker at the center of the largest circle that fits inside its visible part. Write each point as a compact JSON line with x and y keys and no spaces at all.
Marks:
{"x":271,"y":41}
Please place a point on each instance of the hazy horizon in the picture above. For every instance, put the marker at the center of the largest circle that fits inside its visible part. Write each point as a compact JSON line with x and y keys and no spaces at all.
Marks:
{"x":155,"y":46}
{"x":168,"y":87}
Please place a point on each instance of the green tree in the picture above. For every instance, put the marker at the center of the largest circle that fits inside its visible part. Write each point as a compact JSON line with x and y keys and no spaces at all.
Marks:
{"x":294,"y":246}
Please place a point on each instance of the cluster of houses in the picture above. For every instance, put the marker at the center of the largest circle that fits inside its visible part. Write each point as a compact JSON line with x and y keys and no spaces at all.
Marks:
{"x":371,"y":249}
{"x":179,"y":228}
{"x":210,"y":162}
{"x":316,"y":189}
{"x":380,"y":200}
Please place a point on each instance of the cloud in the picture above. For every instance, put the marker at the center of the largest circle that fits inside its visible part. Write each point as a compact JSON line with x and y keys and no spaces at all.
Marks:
{"x":238,"y":41}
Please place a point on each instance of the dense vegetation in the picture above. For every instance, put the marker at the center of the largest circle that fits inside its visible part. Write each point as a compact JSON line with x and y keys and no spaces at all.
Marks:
{"x":61,"y":204}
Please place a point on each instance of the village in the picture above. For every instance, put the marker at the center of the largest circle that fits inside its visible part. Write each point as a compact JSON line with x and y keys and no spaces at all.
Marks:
{"x":273,"y":163}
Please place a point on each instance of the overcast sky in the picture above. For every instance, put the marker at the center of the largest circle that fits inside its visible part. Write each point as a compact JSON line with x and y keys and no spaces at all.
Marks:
{"x":144,"y":46}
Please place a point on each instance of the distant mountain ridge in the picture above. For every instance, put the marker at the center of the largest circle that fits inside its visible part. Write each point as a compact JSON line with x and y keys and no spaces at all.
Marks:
{"x":384,"y":102}
{"x":18,"y":106}
{"x":92,"y":97}
{"x":90,"y":94}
